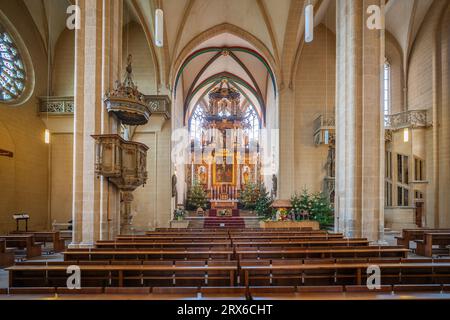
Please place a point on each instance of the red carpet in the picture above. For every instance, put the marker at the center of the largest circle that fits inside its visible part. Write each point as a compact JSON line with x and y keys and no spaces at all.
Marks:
{"x":224,"y":222}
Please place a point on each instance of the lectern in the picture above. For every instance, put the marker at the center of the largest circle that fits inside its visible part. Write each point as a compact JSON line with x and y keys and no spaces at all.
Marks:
{"x":21,"y":217}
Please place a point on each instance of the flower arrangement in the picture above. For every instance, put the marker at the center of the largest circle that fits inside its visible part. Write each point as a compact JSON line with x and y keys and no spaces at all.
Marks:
{"x":179,"y":214}
{"x":282,"y":215}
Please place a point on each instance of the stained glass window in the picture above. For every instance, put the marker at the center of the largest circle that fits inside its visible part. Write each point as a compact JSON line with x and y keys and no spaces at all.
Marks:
{"x":12,"y":70}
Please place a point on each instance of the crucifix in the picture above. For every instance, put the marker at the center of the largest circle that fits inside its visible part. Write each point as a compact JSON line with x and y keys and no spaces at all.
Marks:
{"x":6,"y":153}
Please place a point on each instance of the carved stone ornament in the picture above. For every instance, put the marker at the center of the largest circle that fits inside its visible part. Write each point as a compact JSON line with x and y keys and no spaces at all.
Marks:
{"x":126,"y":102}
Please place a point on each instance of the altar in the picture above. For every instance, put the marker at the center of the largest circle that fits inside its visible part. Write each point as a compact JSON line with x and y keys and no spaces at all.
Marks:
{"x":225,"y":151}
{"x":224,"y":204}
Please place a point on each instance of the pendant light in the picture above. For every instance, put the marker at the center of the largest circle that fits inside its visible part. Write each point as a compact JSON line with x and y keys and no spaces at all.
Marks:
{"x":309,"y":23}
{"x":159,"y":28}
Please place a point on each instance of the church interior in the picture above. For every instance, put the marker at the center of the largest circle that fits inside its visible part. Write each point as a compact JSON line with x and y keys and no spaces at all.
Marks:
{"x":243,"y":149}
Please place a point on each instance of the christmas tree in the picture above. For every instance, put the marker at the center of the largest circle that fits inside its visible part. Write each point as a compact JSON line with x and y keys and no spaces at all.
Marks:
{"x":322,"y":210}
{"x":249,"y":196}
{"x":263,"y":203}
{"x":196,"y":197}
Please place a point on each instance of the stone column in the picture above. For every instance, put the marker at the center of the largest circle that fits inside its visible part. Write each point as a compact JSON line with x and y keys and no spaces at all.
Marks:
{"x":287,"y":144}
{"x":98,"y":54}
{"x":359,"y":122}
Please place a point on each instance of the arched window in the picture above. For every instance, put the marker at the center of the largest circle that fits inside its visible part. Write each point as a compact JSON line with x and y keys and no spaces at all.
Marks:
{"x":387,"y":88}
{"x":12,"y":70}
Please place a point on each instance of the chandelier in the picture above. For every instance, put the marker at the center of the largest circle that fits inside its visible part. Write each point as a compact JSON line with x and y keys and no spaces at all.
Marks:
{"x":224,"y":104}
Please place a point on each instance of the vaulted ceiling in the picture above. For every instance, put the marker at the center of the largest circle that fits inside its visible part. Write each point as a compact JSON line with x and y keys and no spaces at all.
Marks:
{"x":271,"y":29}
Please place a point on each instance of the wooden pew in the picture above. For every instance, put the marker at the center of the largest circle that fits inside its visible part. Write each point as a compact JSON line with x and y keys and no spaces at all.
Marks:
{"x":199,"y":254}
{"x":6,"y":257}
{"x":409,"y":235}
{"x":26,"y":241}
{"x":359,"y":271}
{"x":117,"y":275}
{"x":180,"y":237}
{"x":425,"y":246}
{"x":301,"y":242}
{"x":160,"y":244}
{"x":287,"y":237}
{"x":46,"y":236}
{"x":325,"y":252}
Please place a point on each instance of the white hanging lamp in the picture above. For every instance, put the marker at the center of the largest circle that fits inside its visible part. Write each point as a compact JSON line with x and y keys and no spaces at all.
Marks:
{"x":159,"y":28}
{"x":309,"y":23}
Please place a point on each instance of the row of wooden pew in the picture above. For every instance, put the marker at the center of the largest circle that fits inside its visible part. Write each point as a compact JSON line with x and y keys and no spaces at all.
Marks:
{"x":308,"y":292}
{"x":426,"y":240}
{"x":246,"y":258}
{"x":31,"y":242}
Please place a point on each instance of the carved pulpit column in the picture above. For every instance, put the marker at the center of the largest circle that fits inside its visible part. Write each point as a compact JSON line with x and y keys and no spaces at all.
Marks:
{"x":125,"y":219}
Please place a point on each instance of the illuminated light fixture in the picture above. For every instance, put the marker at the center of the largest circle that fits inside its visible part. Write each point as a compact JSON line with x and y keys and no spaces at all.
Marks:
{"x":406,"y":135}
{"x":309,"y":23}
{"x":327,"y":137}
{"x":159,"y":28}
{"x":47,"y":136}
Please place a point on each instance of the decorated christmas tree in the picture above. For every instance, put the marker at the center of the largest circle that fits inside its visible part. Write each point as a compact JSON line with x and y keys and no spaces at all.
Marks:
{"x":322,"y":210}
{"x":263,"y":203}
{"x":196,"y":197}
{"x":249,"y":196}
{"x":301,"y":204}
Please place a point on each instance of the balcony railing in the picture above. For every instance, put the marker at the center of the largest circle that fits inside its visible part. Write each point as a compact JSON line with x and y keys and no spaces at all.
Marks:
{"x":56,"y":105}
{"x":408,"y":119}
{"x":159,"y":105}
{"x":323,"y":127}
{"x":324,"y":122}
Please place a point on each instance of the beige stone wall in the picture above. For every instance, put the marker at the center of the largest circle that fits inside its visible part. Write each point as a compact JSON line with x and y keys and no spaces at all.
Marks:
{"x":420,"y":75}
{"x":314,"y":95}
{"x":444,"y":133}
{"x":427,"y":89}
{"x":152,"y":203}
{"x":24,"y":178}
{"x":135,"y":43}
{"x":61,"y":177}
{"x":394,"y":56}
{"x":63,"y":64}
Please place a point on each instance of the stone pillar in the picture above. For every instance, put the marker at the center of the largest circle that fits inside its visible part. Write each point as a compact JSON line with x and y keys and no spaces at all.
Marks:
{"x":287,"y":143}
{"x":359,"y":123}
{"x":98,"y":54}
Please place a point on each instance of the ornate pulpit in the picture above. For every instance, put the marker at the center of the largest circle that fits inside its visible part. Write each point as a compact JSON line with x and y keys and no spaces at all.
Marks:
{"x":124,"y":164}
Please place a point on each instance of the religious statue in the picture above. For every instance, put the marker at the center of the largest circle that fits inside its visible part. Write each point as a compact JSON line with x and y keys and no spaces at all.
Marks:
{"x":202,"y":176}
{"x":274,"y":185}
{"x":174,"y":185}
{"x":246,"y":175}
{"x":330,"y":165}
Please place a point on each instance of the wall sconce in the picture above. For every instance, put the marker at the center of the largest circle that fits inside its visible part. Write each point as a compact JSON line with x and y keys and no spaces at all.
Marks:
{"x":47,"y":136}
{"x":326,"y":137}
{"x":405,"y":135}
{"x":309,"y":23}
{"x":159,"y":28}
